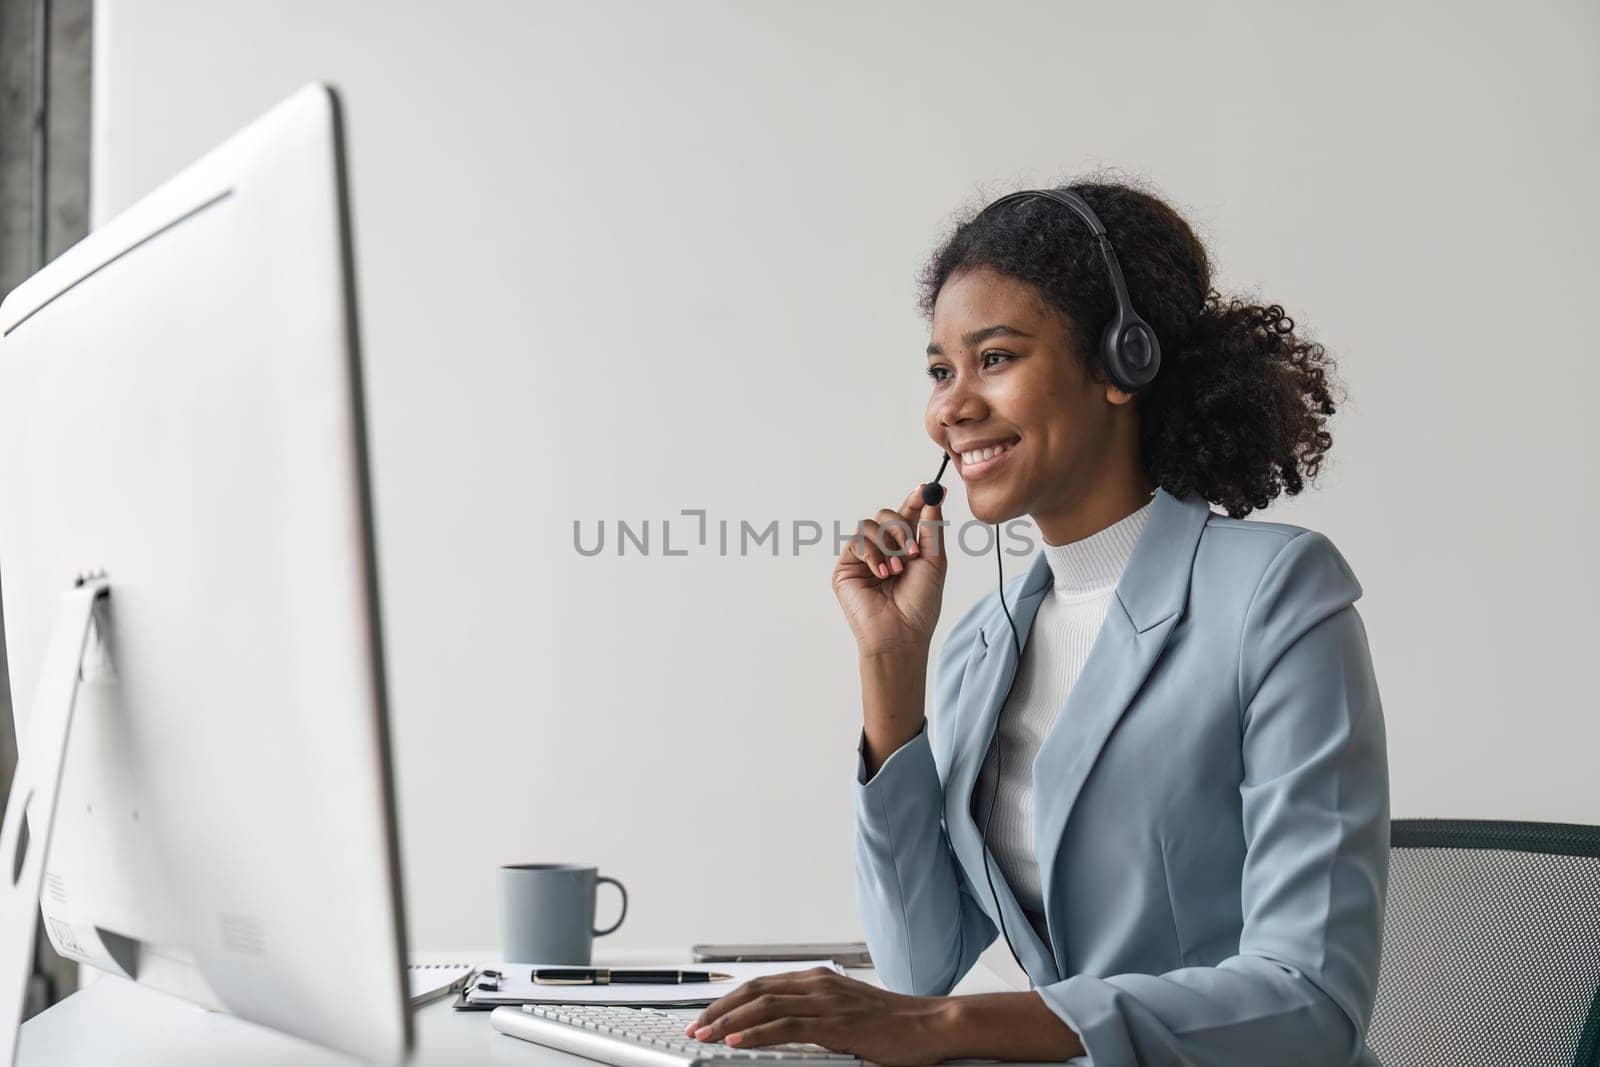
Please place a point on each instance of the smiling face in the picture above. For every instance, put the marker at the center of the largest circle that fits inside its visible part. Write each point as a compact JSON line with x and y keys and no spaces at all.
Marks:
{"x":1027,"y":428}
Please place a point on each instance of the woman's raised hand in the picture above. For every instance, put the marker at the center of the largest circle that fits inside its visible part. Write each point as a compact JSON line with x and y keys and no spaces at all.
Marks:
{"x":891,"y":595}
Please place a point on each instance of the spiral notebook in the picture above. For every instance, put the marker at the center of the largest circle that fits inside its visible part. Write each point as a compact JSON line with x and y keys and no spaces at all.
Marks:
{"x":430,"y":981}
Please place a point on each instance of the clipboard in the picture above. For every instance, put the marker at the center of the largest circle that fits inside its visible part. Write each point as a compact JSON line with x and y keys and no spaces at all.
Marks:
{"x":515,"y":987}
{"x":428,"y":982}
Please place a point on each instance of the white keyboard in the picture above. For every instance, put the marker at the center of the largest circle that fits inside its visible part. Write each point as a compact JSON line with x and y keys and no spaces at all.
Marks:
{"x":640,"y":1037}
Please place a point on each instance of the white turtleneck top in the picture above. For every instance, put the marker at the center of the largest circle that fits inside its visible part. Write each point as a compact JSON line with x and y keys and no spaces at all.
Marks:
{"x":1084,"y":579}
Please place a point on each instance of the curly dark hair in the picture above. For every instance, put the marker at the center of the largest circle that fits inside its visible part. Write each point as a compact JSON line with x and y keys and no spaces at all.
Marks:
{"x":1237,"y":412}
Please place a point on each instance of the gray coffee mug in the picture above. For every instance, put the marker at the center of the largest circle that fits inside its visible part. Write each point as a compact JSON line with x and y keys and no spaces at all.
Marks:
{"x":547,"y":912}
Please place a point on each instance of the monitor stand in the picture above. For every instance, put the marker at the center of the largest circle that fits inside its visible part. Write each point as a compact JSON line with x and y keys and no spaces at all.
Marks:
{"x":32,"y":805}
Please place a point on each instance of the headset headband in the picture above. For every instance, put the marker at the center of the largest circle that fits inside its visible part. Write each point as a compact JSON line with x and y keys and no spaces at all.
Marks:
{"x":1131,"y":351}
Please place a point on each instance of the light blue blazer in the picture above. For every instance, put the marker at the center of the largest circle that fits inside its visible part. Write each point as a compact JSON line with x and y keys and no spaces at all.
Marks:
{"x":1211,"y":808}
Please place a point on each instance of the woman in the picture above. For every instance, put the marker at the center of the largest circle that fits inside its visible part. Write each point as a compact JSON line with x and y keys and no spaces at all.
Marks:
{"x":1168,"y":735}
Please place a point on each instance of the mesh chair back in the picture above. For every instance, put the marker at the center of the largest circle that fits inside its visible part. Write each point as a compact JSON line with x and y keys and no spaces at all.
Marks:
{"x":1491,"y":945}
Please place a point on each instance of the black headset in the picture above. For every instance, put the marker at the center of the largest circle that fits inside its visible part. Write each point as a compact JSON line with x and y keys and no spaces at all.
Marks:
{"x":1132,"y":356}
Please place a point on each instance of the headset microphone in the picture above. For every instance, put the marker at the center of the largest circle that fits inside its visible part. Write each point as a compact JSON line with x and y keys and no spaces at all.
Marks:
{"x":933,"y":492}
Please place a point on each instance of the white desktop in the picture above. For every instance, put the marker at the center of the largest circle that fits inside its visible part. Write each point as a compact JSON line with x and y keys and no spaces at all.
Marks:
{"x":190,"y":600}
{"x":146,"y":1028}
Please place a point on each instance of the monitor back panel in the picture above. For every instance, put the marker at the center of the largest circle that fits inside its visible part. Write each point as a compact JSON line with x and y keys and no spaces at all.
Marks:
{"x":180,"y":408}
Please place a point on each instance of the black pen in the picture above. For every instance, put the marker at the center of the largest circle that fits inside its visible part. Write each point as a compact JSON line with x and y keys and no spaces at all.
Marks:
{"x":607,"y":976}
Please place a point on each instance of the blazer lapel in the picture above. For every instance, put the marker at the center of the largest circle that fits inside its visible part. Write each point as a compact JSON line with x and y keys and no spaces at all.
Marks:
{"x":1149,"y":600}
{"x":989,"y":671}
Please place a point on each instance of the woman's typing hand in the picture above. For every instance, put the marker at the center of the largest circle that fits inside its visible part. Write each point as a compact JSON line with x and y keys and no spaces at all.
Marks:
{"x":825,"y":1008}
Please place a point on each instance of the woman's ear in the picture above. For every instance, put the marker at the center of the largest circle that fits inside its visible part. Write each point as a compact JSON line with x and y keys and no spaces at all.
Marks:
{"x":1117,"y":396}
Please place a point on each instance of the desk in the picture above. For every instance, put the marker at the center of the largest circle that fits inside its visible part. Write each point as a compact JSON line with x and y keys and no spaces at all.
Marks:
{"x":114,"y":1021}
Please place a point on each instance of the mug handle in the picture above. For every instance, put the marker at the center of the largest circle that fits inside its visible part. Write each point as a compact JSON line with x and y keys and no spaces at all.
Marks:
{"x":621,"y":889}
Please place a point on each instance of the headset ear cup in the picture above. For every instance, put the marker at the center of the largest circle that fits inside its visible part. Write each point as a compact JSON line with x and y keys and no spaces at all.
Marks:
{"x":1111,"y":352}
{"x":1132,"y":352}
{"x":1140,"y":353}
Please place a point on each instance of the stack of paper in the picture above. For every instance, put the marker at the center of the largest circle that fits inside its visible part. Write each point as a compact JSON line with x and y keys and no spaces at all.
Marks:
{"x":517,"y":986}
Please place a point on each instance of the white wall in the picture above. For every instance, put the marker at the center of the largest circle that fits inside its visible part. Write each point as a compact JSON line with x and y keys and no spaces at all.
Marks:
{"x":620,"y":260}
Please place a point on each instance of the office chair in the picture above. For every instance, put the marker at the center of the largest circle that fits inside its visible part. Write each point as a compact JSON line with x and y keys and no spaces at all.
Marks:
{"x":1491,"y":945}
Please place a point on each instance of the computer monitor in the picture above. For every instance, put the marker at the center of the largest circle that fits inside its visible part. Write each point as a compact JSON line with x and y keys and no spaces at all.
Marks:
{"x":181,"y":412}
